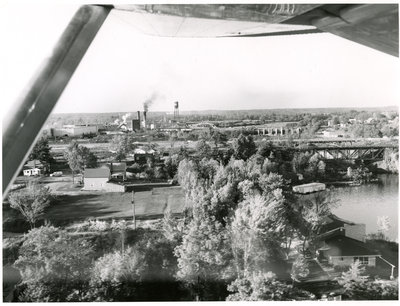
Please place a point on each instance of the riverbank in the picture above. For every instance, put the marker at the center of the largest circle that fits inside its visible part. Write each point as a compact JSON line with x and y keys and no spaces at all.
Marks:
{"x":365,"y":203}
{"x":349,"y":183}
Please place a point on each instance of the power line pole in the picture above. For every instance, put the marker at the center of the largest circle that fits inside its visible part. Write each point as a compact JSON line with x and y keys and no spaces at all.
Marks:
{"x":133,"y":209}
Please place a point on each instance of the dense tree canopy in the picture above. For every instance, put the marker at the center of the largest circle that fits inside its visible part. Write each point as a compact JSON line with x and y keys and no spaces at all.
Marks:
{"x":243,"y":147}
{"x":259,"y":286}
{"x":54,"y":266}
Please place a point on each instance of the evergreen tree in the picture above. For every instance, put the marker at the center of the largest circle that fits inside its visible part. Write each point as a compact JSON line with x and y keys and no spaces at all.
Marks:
{"x":41,"y":152}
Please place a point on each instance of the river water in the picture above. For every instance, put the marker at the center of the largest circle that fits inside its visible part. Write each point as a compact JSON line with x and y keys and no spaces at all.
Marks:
{"x":365,"y":203}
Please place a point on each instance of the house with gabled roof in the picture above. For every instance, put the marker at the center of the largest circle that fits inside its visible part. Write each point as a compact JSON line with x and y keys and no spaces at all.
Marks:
{"x":342,"y":243}
{"x":33,"y":168}
{"x":96,"y":179}
{"x":118,"y":170}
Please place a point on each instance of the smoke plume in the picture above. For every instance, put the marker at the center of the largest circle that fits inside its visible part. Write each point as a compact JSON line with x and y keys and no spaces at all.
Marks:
{"x":149,"y":101}
{"x":125,"y":117}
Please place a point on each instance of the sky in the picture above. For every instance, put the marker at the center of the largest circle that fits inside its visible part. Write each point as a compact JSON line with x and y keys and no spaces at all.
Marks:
{"x":124,"y":67}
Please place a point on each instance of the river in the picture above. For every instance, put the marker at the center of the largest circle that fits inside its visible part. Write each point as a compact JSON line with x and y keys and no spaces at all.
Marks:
{"x":365,"y":203}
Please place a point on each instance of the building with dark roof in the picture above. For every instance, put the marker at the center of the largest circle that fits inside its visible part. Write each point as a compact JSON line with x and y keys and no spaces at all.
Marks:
{"x":342,"y":242}
{"x":343,"y":251}
{"x":335,"y":225}
{"x":96,"y":179}
{"x":118,"y":170}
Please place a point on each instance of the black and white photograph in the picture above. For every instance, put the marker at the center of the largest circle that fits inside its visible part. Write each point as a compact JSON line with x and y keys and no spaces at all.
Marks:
{"x":200,"y":152}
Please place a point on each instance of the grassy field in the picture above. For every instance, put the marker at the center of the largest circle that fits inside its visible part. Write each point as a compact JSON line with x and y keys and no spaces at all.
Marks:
{"x":72,"y":207}
{"x":148,"y":204}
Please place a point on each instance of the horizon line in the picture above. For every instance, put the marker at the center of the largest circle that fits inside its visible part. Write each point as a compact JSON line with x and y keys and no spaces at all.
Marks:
{"x":252,"y":109}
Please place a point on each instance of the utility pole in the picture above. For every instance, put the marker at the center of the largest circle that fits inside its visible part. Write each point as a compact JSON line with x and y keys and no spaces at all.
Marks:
{"x":133,"y":209}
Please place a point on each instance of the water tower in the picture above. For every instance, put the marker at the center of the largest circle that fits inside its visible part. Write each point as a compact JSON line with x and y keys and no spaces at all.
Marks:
{"x":176,"y":110}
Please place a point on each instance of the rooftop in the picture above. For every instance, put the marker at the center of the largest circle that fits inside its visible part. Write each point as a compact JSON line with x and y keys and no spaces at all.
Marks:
{"x":115,"y":167}
{"x":349,"y":246}
{"x":34,"y":164}
{"x":97,"y":173}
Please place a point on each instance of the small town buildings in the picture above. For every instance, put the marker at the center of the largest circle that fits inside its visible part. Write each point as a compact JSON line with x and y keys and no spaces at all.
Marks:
{"x":35,"y":163}
{"x":117,"y":170}
{"x":309,"y":188}
{"x":341,"y":250}
{"x":32,"y":172}
{"x":73,"y":130}
{"x":342,"y":243}
{"x":33,"y":168}
{"x":141,"y":155}
{"x":96,"y":179}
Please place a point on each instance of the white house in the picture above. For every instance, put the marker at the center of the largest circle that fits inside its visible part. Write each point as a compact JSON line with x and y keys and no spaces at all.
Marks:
{"x":96,"y":179}
{"x":32,"y":172}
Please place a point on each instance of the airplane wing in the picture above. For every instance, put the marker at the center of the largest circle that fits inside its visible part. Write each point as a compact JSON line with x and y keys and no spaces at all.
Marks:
{"x":373,"y":25}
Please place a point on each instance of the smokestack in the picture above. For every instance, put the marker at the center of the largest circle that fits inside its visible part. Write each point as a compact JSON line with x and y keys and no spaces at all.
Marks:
{"x":144,"y":118}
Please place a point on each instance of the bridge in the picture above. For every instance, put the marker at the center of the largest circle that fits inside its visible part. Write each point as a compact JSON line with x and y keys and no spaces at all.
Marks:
{"x":373,"y":152}
{"x":337,"y":140}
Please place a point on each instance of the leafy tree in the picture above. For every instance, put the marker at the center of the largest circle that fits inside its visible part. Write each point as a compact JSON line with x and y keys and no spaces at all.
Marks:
{"x":203,"y":149}
{"x":336,"y":120}
{"x":357,"y":286}
{"x":218,"y":137}
{"x":173,"y":137}
{"x":361,"y":175}
{"x":136,"y":273}
{"x":373,"y":290}
{"x":123,"y":145}
{"x":204,"y":255}
{"x":257,"y":232}
{"x":115,"y":276}
{"x":356,"y":274}
{"x":313,"y":211}
{"x":160,"y":173}
{"x":171,"y":165}
{"x":269,"y":166}
{"x":74,"y":158}
{"x":243,"y":147}
{"x":79,"y":158}
{"x":300,"y":268}
{"x":263,"y":286}
{"x":53,"y":265}
{"x":149,"y":173}
{"x":300,"y":162}
{"x":41,"y":152}
{"x":89,"y":158}
{"x":31,"y":202}
{"x":321,"y":167}
{"x":172,"y":228}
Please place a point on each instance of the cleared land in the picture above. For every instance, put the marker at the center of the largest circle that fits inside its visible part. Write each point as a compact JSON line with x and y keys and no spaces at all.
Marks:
{"x":74,"y":206}
{"x":148,"y":204}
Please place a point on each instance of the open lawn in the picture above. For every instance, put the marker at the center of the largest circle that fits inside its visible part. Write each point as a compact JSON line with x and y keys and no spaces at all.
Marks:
{"x":78,"y":206}
{"x":148,"y":204}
